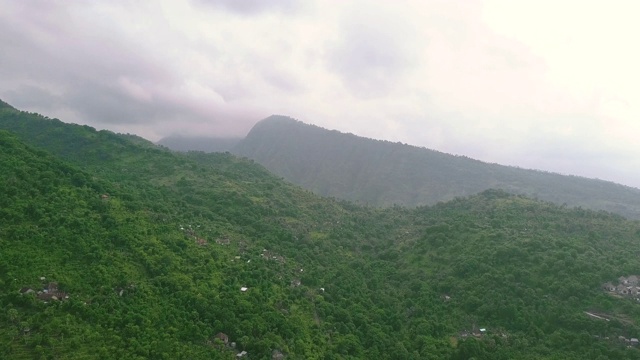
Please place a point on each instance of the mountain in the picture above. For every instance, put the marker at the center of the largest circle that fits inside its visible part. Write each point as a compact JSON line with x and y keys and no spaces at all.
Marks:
{"x":4,"y":105}
{"x":198,"y":143}
{"x":153,"y":254}
{"x":383,"y":173}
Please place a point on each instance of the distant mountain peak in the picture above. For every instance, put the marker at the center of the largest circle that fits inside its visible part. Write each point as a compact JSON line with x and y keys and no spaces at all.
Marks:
{"x":383,"y":173}
{"x":275,"y":117}
{"x":277,"y":120}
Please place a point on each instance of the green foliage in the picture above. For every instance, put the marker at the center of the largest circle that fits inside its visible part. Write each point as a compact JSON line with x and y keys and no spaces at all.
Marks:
{"x":154,"y":269}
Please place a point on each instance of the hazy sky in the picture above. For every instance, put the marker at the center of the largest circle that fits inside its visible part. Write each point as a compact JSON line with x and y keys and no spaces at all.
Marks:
{"x":552,"y":85}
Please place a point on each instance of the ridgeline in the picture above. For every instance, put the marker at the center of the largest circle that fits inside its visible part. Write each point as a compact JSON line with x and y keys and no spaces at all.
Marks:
{"x":382,"y":173}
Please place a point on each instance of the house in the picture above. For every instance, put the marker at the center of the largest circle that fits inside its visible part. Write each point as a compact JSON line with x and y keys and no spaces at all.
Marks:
{"x":26,"y":290}
{"x":634,"y":341}
{"x":621,"y":289}
{"x":268,"y":255}
{"x":244,"y":289}
{"x":277,"y":355}
{"x":104,"y":196}
{"x":295,"y":282}
{"x":241,"y":354}
{"x":223,"y":241}
{"x":223,"y":337}
{"x":608,"y":287}
{"x":45,"y":296}
{"x":633,"y":279}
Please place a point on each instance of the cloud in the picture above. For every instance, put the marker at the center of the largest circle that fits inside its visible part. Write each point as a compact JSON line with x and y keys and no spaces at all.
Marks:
{"x":533,"y":84}
{"x":376,"y":49}
{"x":252,"y":7}
{"x":29,"y":96}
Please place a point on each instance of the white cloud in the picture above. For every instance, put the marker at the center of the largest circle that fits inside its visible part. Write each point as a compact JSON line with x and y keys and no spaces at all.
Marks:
{"x":543,"y":84}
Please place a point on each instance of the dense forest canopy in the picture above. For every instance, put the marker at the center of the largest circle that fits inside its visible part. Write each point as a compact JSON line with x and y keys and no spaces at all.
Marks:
{"x":383,"y":173}
{"x":152,"y":254}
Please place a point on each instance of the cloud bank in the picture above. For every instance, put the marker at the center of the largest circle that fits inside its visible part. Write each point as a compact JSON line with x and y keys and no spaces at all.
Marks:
{"x":530,"y":83}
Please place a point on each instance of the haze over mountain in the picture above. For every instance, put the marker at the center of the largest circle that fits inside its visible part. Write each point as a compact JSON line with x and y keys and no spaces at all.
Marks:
{"x":383,"y":173}
{"x":198,"y":143}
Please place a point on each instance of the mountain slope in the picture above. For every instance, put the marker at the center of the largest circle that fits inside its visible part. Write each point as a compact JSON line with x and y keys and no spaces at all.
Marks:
{"x":382,"y":173}
{"x":206,"y":144}
{"x":160,"y":263}
{"x":4,"y":105}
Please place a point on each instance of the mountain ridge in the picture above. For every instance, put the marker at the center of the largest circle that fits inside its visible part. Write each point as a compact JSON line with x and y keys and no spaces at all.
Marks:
{"x":383,"y":173}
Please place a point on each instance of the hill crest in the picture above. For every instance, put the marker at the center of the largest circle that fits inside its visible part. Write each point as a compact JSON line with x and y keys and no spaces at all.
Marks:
{"x":384,"y":173}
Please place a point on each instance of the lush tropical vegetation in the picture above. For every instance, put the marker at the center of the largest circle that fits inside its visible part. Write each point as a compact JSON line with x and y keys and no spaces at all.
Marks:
{"x":148,"y":252}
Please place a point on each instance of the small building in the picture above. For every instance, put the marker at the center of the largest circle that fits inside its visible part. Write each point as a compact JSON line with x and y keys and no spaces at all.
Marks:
{"x":223,"y":337}
{"x":26,"y":290}
{"x":223,"y":241}
{"x":241,"y":354}
{"x":608,"y":287}
{"x":244,"y":289}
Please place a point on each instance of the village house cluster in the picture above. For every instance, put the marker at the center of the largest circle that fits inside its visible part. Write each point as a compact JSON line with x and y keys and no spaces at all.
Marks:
{"x":629,"y":342}
{"x":49,"y":292}
{"x":627,"y":286}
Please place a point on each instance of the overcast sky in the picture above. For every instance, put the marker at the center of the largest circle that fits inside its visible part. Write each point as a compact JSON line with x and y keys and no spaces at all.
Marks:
{"x":552,"y":85}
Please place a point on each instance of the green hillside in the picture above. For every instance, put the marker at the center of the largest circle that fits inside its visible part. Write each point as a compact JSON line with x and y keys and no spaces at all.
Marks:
{"x":198,"y":143}
{"x":383,"y":173}
{"x":153,"y":249}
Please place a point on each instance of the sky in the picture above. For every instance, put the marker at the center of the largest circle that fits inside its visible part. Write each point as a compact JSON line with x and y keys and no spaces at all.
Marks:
{"x":550,"y":85}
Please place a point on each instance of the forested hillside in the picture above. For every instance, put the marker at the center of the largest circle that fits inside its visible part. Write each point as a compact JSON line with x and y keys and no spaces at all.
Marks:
{"x":383,"y":173}
{"x":196,"y":143}
{"x":158,"y":255}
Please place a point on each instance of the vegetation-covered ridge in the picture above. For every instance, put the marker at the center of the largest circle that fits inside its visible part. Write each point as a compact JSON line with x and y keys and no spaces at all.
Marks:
{"x":383,"y":173}
{"x":198,"y":143}
{"x":4,"y":105}
{"x":179,"y":256}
